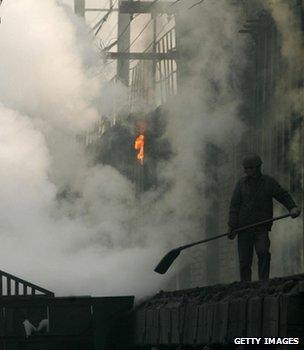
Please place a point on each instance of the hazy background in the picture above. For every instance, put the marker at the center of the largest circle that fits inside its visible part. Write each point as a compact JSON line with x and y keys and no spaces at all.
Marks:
{"x":99,"y":238}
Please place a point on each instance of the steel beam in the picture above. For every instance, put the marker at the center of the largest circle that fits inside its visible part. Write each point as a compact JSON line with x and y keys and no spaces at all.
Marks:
{"x":146,"y":7}
{"x":142,"y":55}
{"x":123,"y":45}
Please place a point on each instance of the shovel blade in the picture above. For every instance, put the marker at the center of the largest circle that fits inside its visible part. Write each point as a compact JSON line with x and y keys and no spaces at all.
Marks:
{"x":167,"y":261}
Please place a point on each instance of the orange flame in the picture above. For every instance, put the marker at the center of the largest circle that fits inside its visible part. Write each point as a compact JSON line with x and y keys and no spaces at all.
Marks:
{"x":140,"y":147}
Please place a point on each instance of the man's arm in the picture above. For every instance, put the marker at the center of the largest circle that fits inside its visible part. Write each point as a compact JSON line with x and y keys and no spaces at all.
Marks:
{"x":282,"y":196}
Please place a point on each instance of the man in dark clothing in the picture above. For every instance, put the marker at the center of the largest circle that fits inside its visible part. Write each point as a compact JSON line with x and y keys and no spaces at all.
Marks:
{"x":252,"y":202}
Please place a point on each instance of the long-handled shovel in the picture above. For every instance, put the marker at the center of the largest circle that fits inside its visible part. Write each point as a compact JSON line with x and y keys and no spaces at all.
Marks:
{"x":169,"y":258}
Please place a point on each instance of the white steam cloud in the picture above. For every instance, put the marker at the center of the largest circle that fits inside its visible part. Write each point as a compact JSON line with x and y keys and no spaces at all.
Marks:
{"x":99,"y":238}
{"x":83,"y":243}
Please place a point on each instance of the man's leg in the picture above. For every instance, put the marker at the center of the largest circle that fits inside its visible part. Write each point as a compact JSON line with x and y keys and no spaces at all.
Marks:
{"x":262,"y":245}
{"x":245,"y":249}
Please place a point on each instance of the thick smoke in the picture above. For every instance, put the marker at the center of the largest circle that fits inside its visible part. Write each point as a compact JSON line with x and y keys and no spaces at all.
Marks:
{"x":65,"y":225}
{"x":76,"y":228}
{"x":289,"y":90}
{"x":205,"y":113}
{"x":289,"y":103}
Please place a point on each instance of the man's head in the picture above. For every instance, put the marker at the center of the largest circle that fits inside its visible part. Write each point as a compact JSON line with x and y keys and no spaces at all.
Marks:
{"x":252,"y":165}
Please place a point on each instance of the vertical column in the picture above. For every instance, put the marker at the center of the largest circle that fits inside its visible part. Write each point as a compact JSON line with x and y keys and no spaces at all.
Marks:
{"x":79,"y":7}
{"x":8,"y":285}
{"x":179,"y":48}
{"x":154,"y":60}
{"x":124,"y":24}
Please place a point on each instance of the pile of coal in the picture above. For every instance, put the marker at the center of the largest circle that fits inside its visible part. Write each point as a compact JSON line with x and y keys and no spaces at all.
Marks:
{"x":218,"y":314}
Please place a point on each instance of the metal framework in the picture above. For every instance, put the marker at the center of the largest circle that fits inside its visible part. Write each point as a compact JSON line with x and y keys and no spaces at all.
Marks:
{"x":141,"y":84}
{"x":158,"y":86}
{"x":157,"y":53}
{"x":166,"y":70}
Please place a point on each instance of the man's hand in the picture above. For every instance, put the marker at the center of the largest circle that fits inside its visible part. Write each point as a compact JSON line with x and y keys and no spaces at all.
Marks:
{"x":295,"y":212}
{"x":231,"y":233}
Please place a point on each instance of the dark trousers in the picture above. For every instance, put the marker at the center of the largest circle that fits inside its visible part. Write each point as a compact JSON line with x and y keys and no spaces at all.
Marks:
{"x":259,"y":240}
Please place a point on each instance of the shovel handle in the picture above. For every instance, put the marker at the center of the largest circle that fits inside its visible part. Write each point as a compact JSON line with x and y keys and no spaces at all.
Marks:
{"x":236,"y":230}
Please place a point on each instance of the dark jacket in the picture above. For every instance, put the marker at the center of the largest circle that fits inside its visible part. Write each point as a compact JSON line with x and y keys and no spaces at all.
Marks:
{"x":252,"y":200}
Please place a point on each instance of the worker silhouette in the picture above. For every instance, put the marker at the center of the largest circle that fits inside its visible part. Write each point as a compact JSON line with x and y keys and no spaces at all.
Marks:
{"x":251,"y":202}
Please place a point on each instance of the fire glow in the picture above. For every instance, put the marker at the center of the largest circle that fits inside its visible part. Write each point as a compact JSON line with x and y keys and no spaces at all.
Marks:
{"x":140,"y":147}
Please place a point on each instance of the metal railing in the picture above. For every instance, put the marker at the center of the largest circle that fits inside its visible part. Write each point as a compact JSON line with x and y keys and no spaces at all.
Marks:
{"x":12,"y":286}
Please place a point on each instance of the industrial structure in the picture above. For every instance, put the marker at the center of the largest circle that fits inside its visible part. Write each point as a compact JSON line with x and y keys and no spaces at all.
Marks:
{"x":158,"y":75}
{"x":155,"y":77}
